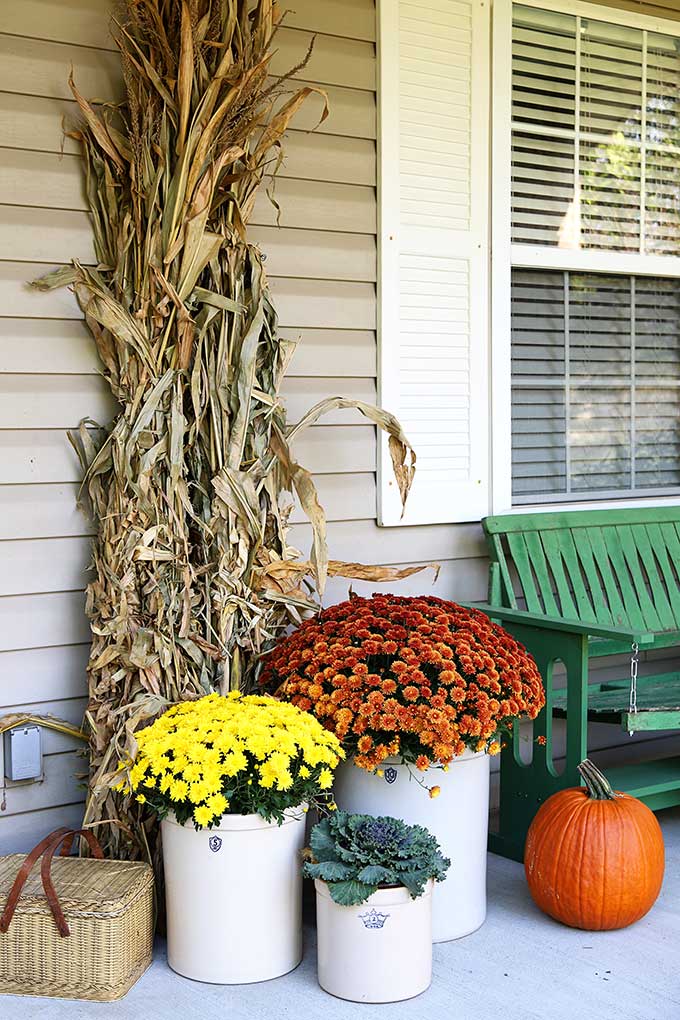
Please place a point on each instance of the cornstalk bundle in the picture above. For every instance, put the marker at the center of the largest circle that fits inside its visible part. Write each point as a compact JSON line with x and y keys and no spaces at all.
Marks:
{"x":193,"y":577}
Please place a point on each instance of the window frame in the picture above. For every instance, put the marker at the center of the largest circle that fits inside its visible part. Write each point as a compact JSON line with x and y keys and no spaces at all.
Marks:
{"x":506,"y":255}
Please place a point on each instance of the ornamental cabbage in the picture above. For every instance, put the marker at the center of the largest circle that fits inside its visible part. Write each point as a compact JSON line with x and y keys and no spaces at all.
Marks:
{"x":357,"y":854}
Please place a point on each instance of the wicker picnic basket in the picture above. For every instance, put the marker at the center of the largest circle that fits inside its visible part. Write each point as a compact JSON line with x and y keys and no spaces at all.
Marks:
{"x":81,"y":929}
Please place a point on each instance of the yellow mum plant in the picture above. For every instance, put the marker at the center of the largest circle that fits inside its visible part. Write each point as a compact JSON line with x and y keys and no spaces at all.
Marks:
{"x":239,"y":754}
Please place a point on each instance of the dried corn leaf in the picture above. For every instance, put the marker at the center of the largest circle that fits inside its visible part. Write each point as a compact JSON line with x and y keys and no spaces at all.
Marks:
{"x":192,"y":578}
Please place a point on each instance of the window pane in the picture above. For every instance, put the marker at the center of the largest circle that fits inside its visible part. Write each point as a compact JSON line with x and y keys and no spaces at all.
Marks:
{"x":610,"y":196}
{"x":543,"y":210}
{"x":657,"y":437}
{"x":663,"y":90}
{"x":595,"y":135}
{"x":538,"y":441}
{"x":611,"y":79}
{"x":599,"y":326}
{"x":599,"y":439}
{"x":662,"y":204}
{"x":596,"y":382}
{"x":543,"y":67}
{"x":538,"y":324}
{"x":657,"y":328}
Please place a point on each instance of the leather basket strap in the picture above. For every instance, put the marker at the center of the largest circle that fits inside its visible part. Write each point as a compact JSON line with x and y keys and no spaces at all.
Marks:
{"x":22,"y":875}
{"x":46,"y":871}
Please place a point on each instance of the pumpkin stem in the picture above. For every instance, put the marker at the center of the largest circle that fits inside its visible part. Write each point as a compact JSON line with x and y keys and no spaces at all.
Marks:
{"x":597,"y":785}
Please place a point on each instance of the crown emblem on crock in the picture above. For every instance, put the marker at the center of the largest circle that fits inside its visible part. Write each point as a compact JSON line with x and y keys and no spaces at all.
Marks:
{"x":373,"y":919}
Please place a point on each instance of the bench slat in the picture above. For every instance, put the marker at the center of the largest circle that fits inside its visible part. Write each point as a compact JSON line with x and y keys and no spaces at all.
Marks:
{"x":627,"y":541}
{"x":661,"y":692}
{"x":577,"y":569}
{"x":552,"y":542}
{"x":672,"y":549}
{"x":664,"y":539}
{"x":587,"y":560}
{"x":646,"y":778}
{"x":652,"y":568}
{"x":504,"y":524}
{"x":520,"y":557}
{"x":540,"y":567}
{"x":621,"y":615}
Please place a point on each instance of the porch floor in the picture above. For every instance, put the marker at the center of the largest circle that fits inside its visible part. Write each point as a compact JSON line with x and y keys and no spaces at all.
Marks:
{"x":520,"y":965}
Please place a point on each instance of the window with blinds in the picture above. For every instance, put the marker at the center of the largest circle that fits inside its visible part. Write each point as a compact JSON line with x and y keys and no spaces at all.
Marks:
{"x":596,"y":134}
{"x":595,"y":171}
{"x":595,"y":385}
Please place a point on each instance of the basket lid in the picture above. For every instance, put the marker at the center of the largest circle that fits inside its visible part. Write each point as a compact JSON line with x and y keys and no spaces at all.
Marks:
{"x":82,"y":885}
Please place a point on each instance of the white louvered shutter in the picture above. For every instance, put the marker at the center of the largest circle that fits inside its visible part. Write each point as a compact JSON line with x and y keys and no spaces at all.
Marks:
{"x":434,"y":253}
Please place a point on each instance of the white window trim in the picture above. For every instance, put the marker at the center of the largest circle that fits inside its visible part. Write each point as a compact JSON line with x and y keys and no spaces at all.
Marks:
{"x":505,"y":255}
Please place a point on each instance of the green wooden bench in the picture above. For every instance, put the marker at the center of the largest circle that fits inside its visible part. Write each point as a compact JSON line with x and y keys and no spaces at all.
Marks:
{"x":571,"y":586}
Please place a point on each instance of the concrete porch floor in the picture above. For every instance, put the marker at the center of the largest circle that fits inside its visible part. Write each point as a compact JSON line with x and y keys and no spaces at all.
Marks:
{"x":520,"y":966}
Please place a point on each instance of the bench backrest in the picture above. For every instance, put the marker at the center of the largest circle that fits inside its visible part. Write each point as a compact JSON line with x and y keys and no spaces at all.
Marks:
{"x":618,"y":567}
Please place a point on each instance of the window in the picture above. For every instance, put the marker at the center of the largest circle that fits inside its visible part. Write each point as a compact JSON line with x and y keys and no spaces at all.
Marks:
{"x":595,"y":377}
{"x":593,"y":235}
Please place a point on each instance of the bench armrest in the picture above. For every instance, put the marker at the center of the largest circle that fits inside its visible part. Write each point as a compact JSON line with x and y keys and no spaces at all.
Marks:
{"x":560,"y":624}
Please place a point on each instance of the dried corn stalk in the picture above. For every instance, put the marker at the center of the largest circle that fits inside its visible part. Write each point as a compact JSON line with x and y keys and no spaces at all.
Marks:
{"x":193,"y":576}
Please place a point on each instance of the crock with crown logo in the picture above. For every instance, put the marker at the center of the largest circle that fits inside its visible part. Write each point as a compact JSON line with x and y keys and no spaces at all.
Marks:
{"x":378,"y":951}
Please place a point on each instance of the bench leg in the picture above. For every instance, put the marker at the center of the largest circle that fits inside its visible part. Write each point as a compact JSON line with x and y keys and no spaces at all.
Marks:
{"x":525,"y":786}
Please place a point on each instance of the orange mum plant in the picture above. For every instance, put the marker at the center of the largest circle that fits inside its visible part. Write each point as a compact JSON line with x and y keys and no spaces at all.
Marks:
{"x":417,"y":678}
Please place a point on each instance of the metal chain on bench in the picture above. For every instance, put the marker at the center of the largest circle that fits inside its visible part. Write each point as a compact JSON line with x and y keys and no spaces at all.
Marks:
{"x":634,"y":662}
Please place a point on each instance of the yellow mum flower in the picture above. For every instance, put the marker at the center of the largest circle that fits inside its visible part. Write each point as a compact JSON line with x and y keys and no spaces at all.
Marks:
{"x":218,"y":803}
{"x":191,"y":751}
{"x":284,"y":781}
{"x":179,"y":789}
{"x":234,"y":762}
{"x":325,"y":779}
{"x":137,"y":773}
{"x":203,"y":815}
{"x":198,"y":792}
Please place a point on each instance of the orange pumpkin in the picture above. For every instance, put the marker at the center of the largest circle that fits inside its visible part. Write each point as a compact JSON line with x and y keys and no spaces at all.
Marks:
{"x":594,"y":859}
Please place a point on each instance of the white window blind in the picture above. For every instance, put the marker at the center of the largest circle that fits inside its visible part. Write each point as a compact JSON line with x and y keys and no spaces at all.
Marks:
{"x":593,"y":237}
{"x":595,"y":385}
{"x":596,"y":134}
{"x":433,"y":330}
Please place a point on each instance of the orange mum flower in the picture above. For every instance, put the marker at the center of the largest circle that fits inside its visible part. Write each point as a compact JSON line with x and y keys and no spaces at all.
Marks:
{"x":419,"y":678}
